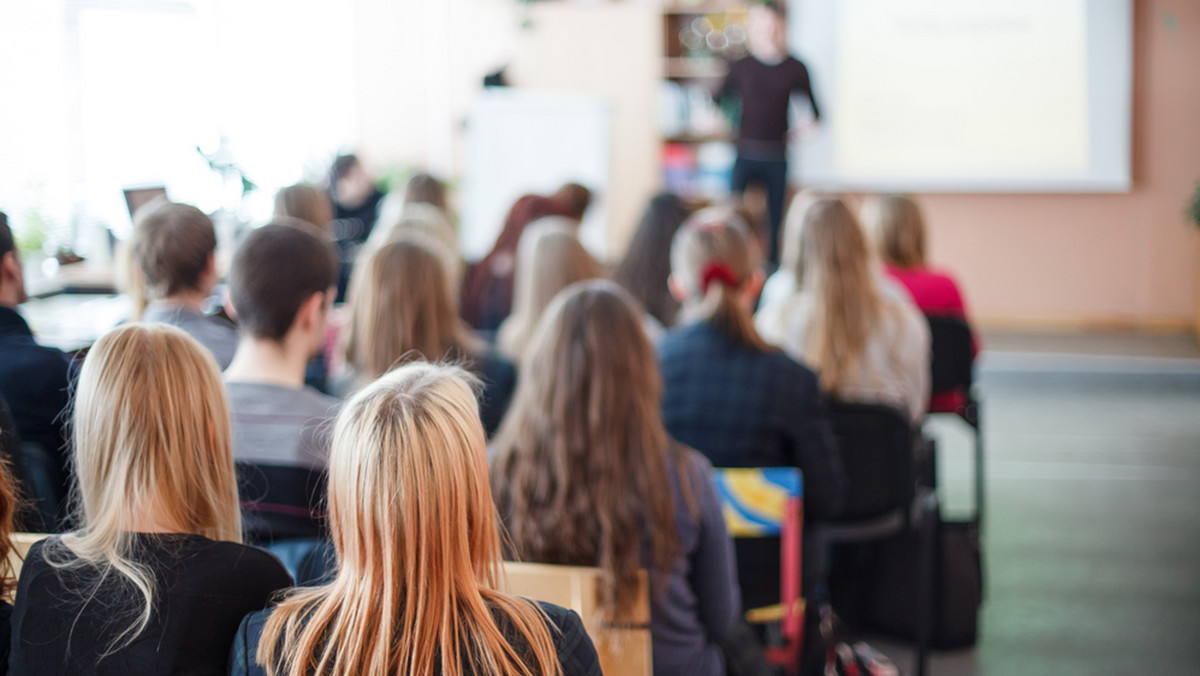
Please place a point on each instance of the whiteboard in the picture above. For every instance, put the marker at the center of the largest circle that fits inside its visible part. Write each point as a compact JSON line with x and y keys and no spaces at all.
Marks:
{"x":967,"y":95}
{"x":521,"y":142}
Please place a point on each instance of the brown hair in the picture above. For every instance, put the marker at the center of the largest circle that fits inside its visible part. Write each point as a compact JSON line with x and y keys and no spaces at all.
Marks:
{"x":9,"y":503}
{"x":581,"y":461}
{"x":549,"y":259}
{"x":713,"y":257}
{"x":647,"y":264}
{"x":173,"y":244}
{"x":276,"y":270}
{"x":402,"y":308}
{"x":897,"y":229}
{"x":307,"y":203}
{"x":418,"y":550}
{"x":423,"y":188}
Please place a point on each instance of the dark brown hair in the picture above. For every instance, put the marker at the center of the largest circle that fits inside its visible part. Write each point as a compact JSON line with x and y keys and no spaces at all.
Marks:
{"x":172,"y":244}
{"x":647,"y":264}
{"x":423,"y":188}
{"x":276,"y":269}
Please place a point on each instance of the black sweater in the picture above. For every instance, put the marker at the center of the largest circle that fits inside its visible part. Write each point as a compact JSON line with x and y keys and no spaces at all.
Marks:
{"x":764,"y":91}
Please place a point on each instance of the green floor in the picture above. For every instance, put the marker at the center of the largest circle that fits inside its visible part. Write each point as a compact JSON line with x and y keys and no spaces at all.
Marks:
{"x":1093,"y":538}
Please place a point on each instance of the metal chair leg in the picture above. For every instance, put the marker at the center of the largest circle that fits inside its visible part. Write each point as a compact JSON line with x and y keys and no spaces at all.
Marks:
{"x":925,"y":595}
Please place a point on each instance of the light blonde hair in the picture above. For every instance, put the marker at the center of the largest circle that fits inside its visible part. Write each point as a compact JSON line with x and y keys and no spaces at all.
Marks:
{"x":897,"y":229}
{"x":834,"y":265}
{"x":417,"y":543}
{"x":151,"y":430}
{"x":306,"y":202}
{"x":402,"y":308}
{"x":580,"y":471}
{"x":717,"y":240}
{"x":549,"y":259}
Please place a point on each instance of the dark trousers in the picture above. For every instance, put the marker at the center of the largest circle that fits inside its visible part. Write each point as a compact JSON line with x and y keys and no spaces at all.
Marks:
{"x":771,"y":174}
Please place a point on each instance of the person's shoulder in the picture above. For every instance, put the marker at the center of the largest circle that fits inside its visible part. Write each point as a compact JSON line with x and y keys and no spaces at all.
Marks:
{"x":575,"y":650}
{"x":238,"y":561}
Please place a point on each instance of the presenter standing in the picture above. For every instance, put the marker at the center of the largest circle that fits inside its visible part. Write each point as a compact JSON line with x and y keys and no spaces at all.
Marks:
{"x":764,"y":82}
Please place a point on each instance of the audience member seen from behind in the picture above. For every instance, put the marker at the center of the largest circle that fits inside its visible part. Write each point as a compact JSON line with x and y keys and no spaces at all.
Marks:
{"x":402,"y":309}
{"x":8,"y":580}
{"x":416,"y":591}
{"x":35,"y":381}
{"x":861,"y":333}
{"x":155,"y":581}
{"x":549,"y":259}
{"x":647,"y":263}
{"x":306,"y":202}
{"x":584,"y":474}
{"x":175,"y":248}
{"x":427,"y":220}
{"x":355,"y":199}
{"x":733,"y":397}
{"x":487,"y":292}
{"x":281,"y":288}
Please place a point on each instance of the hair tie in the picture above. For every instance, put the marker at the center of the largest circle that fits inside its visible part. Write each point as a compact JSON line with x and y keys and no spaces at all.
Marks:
{"x":717,"y":271}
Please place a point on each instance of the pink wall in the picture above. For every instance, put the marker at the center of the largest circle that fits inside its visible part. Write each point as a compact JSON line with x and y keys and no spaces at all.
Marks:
{"x":1115,"y":261}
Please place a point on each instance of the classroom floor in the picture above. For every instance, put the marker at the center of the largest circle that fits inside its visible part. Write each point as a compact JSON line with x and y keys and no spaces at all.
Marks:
{"x":1093,"y":540}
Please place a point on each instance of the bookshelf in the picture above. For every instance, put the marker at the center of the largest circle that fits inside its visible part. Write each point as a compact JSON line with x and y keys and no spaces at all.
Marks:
{"x":699,"y":40}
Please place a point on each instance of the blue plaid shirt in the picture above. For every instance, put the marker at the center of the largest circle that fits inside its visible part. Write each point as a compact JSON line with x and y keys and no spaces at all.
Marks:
{"x":745,"y":408}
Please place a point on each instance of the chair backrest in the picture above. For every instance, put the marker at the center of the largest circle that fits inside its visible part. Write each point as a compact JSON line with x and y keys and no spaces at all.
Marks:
{"x":953,"y":348}
{"x":876,"y":444}
{"x":21,"y":544}
{"x":624,"y":644}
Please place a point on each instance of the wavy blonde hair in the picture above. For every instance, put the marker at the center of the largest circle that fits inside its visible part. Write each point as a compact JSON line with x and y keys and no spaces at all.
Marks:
{"x":550,"y":258}
{"x":897,"y":229}
{"x":834,"y":264}
{"x":581,"y":461}
{"x":417,"y":546}
{"x":151,"y":430}
{"x":717,"y":237}
{"x":402,"y":308}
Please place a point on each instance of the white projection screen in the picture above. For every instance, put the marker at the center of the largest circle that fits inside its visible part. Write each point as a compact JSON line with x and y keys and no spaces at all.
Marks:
{"x":966,"y":95}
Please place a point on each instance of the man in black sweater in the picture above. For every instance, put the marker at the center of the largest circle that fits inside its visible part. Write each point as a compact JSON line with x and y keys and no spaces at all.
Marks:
{"x":764,"y":82}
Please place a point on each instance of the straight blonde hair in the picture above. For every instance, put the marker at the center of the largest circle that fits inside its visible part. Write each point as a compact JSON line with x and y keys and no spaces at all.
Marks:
{"x":897,"y":229}
{"x":713,"y":257}
{"x":417,"y":545}
{"x":834,"y":265}
{"x":402,"y":308}
{"x":550,"y":258}
{"x":151,"y":431}
{"x":580,"y":471}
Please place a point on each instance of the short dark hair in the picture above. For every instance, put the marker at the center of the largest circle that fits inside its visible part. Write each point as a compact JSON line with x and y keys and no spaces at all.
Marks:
{"x":775,"y":6}
{"x":172,"y":244}
{"x":275,"y":270}
{"x":6,"y":237}
{"x":342,"y":164}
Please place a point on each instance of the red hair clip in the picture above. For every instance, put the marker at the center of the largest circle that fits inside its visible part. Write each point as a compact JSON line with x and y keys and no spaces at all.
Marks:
{"x":717,"y":271}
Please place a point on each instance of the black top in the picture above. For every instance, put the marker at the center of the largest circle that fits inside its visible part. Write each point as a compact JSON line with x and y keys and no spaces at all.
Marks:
{"x":35,"y":380}
{"x":204,"y":588}
{"x":5,"y":630}
{"x":765,"y":90}
{"x":575,"y":651}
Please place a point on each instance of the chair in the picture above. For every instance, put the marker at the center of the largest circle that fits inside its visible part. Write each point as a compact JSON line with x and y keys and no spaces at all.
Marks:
{"x":21,"y":544}
{"x":877,"y":450}
{"x":769,"y":502}
{"x":952,"y":368}
{"x":623,"y":644}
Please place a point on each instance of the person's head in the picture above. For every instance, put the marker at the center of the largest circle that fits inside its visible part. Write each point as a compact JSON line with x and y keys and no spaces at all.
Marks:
{"x":647,"y":263}
{"x":524,"y":211}
{"x":581,"y":457}
{"x":423,"y":188}
{"x":425,"y":219}
{"x":349,"y":183}
{"x":573,"y":200}
{"x":549,"y":259}
{"x":174,"y":246}
{"x":282,"y":284}
{"x":152,"y":451}
{"x":715,"y":274}
{"x":766,"y":27}
{"x":12,"y":277}
{"x":833,"y":264}
{"x":402,"y":308}
{"x":418,"y":548}
{"x":306,"y":202}
{"x":897,"y":229}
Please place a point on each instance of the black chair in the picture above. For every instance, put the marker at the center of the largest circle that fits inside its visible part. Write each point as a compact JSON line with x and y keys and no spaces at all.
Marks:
{"x":952,"y":367}
{"x":879,"y":457}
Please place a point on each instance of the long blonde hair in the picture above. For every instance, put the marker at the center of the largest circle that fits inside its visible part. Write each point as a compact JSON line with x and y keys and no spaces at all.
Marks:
{"x":549,"y":259}
{"x":834,"y":265}
{"x":581,"y":461}
{"x":402,"y":308}
{"x":897,"y":229}
{"x":151,"y":430}
{"x":713,"y":257}
{"x":417,"y":544}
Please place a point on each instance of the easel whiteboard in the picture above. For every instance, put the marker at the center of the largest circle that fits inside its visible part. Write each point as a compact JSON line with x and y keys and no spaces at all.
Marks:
{"x":521,"y":142}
